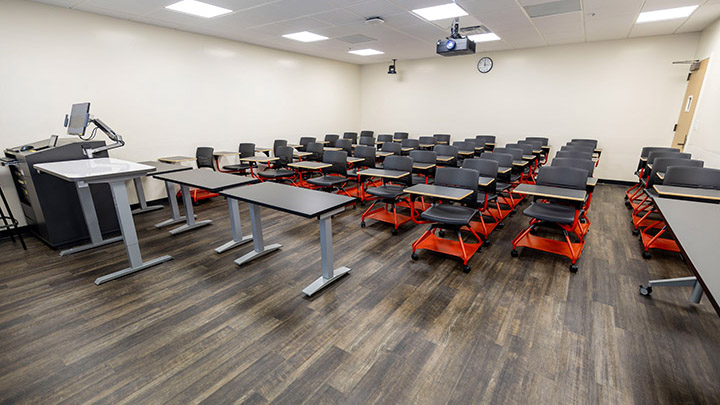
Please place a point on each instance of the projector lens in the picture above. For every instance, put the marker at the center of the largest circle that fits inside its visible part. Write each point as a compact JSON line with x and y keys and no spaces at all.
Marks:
{"x":450,"y":44}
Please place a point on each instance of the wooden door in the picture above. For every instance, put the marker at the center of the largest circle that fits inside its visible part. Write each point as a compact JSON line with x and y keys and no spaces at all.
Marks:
{"x":687,"y":110}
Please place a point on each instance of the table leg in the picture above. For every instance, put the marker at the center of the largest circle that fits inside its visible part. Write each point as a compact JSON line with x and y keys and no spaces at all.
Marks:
{"x":258,"y":242}
{"x":174,"y":210}
{"x":127,"y":226}
{"x":144,"y":207}
{"x":327,"y":257}
{"x":190,"y":222}
{"x":238,"y":238}
{"x":91,"y":220}
{"x":697,"y":291}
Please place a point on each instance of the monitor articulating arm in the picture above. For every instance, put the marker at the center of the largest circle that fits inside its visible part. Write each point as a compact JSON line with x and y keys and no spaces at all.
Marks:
{"x":115,"y":137}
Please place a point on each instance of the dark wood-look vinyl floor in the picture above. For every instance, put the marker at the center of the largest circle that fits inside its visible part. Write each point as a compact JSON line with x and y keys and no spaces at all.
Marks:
{"x":201,"y":329}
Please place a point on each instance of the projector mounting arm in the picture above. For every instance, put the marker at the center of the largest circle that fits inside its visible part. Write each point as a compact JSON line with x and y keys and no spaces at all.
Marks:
{"x":115,"y":137}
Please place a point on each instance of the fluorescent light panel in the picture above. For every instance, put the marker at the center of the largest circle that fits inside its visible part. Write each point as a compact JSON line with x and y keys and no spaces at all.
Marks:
{"x":667,"y":14}
{"x":305,"y":36}
{"x":198,"y":8}
{"x":490,"y":36}
{"x":366,"y":52}
{"x":441,"y":12}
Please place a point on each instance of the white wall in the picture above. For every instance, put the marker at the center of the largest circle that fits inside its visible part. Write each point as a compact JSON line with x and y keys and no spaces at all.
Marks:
{"x":624,"y":93}
{"x":165,"y":91}
{"x":704,"y":137}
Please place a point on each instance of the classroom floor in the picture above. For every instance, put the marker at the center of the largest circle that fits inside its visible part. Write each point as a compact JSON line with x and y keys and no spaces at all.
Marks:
{"x":199,"y":328}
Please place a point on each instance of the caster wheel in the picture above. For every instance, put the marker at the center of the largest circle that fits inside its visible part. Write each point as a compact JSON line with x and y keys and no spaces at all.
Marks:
{"x":582,"y":220}
{"x":394,"y":232}
{"x":626,"y":198}
{"x":362,"y":224}
{"x":573,"y":268}
{"x":466,"y":268}
{"x":500,"y":225}
{"x":627,"y":204}
{"x":512,"y":213}
{"x":647,"y":255}
{"x":514,"y":253}
{"x":414,"y":256}
{"x":362,"y":203}
{"x":441,"y":233}
{"x":645,"y":291}
{"x":486,"y":242}
{"x":636,"y":232}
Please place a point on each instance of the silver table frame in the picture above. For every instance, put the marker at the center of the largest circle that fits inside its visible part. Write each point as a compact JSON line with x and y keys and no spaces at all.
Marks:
{"x":140,"y":191}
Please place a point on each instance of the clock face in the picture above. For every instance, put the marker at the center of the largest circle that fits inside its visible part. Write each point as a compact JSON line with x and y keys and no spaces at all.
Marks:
{"x":485,"y":64}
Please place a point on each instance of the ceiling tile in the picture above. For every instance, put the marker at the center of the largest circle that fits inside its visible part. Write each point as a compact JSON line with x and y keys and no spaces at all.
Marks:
{"x":701,"y":18}
{"x":655,"y":28}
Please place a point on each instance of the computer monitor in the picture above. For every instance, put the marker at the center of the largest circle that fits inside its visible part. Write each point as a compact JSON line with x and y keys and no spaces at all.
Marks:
{"x":78,"y":121}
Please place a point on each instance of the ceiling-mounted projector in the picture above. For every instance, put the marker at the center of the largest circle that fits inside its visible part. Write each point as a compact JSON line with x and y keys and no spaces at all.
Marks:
{"x":455,"y":44}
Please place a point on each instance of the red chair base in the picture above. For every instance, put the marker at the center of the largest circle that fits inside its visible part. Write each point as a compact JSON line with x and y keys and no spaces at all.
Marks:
{"x":657,"y":241}
{"x":198,"y":194}
{"x":463,"y":250}
{"x":382,"y":214}
{"x":571,"y":250}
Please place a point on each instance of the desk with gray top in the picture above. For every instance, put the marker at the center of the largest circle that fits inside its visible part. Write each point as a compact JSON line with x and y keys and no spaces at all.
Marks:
{"x":296,"y":201}
{"x":160,"y":168}
{"x":442,"y":192}
{"x":695,"y":227}
{"x":113,"y":172}
{"x":204,"y":179}
{"x":559,"y":193}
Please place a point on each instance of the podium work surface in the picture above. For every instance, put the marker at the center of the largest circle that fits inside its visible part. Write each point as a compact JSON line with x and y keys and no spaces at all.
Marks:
{"x":114,"y":172}
{"x":296,"y":201}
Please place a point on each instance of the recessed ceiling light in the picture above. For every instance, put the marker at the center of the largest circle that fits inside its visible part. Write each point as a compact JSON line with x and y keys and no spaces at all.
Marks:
{"x":490,"y":36}
{"x":305,"y":36}
{"x":198,"y":8}
{"x":668,"y":14}
{"x":366,"y":52}
{"x":440,"y":12}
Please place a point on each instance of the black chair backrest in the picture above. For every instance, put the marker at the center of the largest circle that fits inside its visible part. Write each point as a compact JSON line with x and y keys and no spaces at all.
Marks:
{"x":459,"y":178}
{"x":401,"y":163}
{"x":331,"y":139}
{"x":660,"y":153}
{"x":646,"y":150}
{"x":305,"y":140}
{"x":338,"y":159}
{"x":399,"y":136}
{"x":367,"y":140}
{"x":573,"y":155}
{"x":367,"y":133}
{"x":317,"y":150}
{"x":697,"y":177}
{"x":423,"y":156}
{"x":527,"y":149}
{"x":543,"y":141}
{"x":352,"y":136}
{"x":278,"y":143}
{"x":465,"y":146}
{"x":483,"y":139}
{"x":344,"y":144}
{"x":591,"y":142}
{"x":385,"y":138}
{"x":367,"y":153}
{"x":246,"y":150}
{"x":516,"y":153}
{"x":410,"y":143}
{"x":485,"y":167}
{"x":442,"y":138}
{"x":204,"y":156}
{"x":565,"y":177}
{"x":536,"y":145}
{"x":285,"y":153}
{"x":586,"y":164}
{"x":427,"y":140}
{"x":503,"y":159}
{"x":662,"y":164}
{"x":577,"y":148}
{"x":446,"y":150}
{"x":393,"y":147}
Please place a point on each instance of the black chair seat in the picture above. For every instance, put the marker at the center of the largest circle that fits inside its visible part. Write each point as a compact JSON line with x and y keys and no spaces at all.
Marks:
{"x":352,"y":173}
{"x":560,"y":214}
{"x":236,"y":167}
{"x":389,"y":191}
{"x":416,"y":179}
{"x":503,"y":186}
{"x":276,"y":173}
{"x":514,"y":178}
{"x":327,"y":181}
{"x":449,"y":214}
{"x":481,"y":198}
